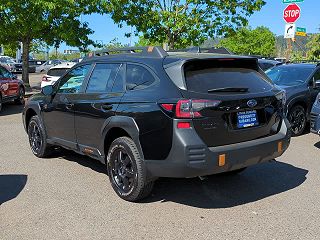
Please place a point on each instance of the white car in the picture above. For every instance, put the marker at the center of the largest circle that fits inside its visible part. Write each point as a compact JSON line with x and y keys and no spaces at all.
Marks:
{"x":55,"y":73}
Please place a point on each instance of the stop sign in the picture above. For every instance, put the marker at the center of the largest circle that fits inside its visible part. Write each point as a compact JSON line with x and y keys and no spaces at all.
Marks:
{"x":291,"y":13}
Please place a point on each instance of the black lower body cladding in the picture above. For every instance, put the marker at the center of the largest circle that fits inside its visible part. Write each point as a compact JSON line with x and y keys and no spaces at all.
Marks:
{"x":190,"y":157}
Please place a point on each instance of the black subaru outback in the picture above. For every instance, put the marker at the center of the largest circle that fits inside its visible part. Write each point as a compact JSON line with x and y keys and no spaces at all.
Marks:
{"x":147,"y":114}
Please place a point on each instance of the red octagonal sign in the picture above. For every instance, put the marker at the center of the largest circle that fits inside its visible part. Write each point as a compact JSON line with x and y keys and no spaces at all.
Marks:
{"x":291,"y":13}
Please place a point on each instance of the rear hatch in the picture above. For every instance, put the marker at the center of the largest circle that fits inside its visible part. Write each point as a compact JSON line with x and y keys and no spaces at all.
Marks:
{"x":240,"y":103}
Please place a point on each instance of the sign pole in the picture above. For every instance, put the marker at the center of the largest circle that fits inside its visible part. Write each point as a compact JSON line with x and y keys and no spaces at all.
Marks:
{"x":289,"y":49}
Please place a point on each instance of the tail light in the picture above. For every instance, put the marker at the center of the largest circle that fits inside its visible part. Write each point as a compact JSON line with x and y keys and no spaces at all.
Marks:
{"x":45,"y":79}
{"x":190,"y":108}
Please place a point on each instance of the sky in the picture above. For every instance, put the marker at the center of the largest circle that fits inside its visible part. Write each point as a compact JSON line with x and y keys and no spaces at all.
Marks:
{"x":271,"y":16}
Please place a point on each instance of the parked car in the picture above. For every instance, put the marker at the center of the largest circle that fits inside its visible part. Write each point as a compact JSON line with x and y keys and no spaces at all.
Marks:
{"x":47,"y":65}
{"x":315,"y":115}
{"x":298,"y":80}
{"x":8,"y":63}
{"x":55,"y":73}
{"x":11,"y":88}
{"x":77,"y":60}
{"x":266,"y":64}
{"x":149,"y":114}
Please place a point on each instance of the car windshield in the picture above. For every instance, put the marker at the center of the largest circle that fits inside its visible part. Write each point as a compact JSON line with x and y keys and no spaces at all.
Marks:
{"x":57,"y":72}
{"x":6,"y":60}
{"x":289,"y":75}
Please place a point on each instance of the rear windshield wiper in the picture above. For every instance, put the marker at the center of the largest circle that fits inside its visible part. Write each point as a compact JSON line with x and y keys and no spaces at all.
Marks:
{"x":228,"y":89}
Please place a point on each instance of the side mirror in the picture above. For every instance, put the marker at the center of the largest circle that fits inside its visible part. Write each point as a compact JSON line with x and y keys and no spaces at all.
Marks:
{"x":47,"y":90}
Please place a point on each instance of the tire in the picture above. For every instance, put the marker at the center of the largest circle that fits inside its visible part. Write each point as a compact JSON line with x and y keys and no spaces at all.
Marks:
{"x":38,"y":138}
{"x":20,"y":100}
{"x":298,"y":120}
{"x":126,"y":170}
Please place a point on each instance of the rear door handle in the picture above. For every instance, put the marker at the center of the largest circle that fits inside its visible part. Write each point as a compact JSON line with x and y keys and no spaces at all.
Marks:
{"x":106,"y":106}
{"x":69,"y":106}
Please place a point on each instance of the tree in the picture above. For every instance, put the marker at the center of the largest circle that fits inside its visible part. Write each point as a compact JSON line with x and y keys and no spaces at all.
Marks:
{"x":182,"y":23}
{"x":50,"y":21}
{"x":313,"y":47}
{"x":259,"y":41}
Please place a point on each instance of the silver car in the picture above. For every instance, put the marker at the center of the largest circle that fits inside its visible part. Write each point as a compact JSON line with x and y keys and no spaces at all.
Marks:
{"x":47,"y":65}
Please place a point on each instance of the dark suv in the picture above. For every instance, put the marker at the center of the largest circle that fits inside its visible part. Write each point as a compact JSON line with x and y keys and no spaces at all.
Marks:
{"x":148,"y":114}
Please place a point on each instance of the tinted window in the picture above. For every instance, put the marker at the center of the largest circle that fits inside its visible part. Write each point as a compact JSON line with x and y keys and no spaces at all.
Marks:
{"x":118,"y":85}
{"x":102,"y":78}
{"x":317,"y":75}
{"x":289,"y":75}
{"x":265,"y":66}
{"x":4,"y":73}
{"x":138,"y":77}
{"x":57,"y":72}
{"x":202,"y":76}
{"x":72,"y":82}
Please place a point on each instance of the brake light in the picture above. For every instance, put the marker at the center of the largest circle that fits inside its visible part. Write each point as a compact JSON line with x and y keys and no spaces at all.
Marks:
{"x":191,"y":108}
{"x":45,"y":79}
{"x":167,"y":106}
{"x":184,"y":125}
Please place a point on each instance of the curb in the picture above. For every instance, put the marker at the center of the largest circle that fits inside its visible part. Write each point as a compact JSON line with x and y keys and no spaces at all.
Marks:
{"x":29,"y":94}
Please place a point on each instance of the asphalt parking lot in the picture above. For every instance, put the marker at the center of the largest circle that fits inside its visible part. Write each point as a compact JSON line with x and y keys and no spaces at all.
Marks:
{"x":69,"y":197}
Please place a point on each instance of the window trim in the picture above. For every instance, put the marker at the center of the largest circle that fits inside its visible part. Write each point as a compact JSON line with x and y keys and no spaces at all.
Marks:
{"x":157,"y":79}
{"x":91,"y":72}
{"x":85,"y":80}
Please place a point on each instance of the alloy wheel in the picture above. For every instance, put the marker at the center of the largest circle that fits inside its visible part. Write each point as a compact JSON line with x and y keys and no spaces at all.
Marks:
{"x":123,"y":170}
{"x":298,"y":120}
{"x":35,"y":137}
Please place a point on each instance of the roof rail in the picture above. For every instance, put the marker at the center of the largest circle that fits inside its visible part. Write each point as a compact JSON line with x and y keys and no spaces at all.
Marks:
{"x":198,"y":49}
{"x":142,"y":51}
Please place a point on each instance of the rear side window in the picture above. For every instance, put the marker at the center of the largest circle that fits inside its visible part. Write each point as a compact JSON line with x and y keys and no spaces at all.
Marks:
{"x":203,"y":76}
{"x":102,"y":78}
{"x":57,"y":72}
{"x":138,"y":77}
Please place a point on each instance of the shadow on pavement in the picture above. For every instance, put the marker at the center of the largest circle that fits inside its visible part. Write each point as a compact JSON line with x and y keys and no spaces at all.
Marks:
{"x":317,"y":145}
{"x":11,"y":109}
{"x":85,"y":161}
{"x":217,"y":191}
{"x":11,"y":186}
{"x":223,"y":191}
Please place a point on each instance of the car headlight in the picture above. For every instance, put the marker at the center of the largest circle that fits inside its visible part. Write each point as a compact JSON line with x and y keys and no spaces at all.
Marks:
{"x":282,"y":96}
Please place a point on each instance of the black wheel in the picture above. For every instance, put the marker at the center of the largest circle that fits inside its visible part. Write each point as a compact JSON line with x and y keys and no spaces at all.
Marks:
{"x":20,"y":99}
{"x":126,"y":170}
{"x":38,"y":138}
{"x":298,"y":120}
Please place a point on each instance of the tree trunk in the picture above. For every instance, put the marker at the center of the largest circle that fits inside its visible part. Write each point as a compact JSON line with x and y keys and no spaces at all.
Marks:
{"x":25,"y":63}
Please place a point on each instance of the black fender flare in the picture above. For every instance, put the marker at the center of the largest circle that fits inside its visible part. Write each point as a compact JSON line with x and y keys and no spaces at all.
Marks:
{"x":127,"y":124}
{"x":31,"y":107}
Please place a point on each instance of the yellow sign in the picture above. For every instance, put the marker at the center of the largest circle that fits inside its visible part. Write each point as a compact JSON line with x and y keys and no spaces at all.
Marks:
{"x":303,"y":34}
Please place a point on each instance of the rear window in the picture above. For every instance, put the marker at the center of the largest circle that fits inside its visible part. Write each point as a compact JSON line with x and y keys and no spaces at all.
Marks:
{"x":202,"y":76}
{"x":57,"y":72}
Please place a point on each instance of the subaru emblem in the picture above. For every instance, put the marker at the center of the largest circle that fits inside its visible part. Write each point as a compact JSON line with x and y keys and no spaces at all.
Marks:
{"x":252,"y":103}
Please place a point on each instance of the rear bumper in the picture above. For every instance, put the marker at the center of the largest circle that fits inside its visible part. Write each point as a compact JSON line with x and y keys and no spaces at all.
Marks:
{"x":190,"y":157}
{"x":315,"y":120}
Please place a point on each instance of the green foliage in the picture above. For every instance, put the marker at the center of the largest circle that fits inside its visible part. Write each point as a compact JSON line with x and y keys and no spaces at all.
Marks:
{"x":146,"y":42}
{"x":259,"y":41}
{"x":49,"y":21}
{"x":313,"y":47}
{"x":114,"y":43}
{"x":183,"y":23}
